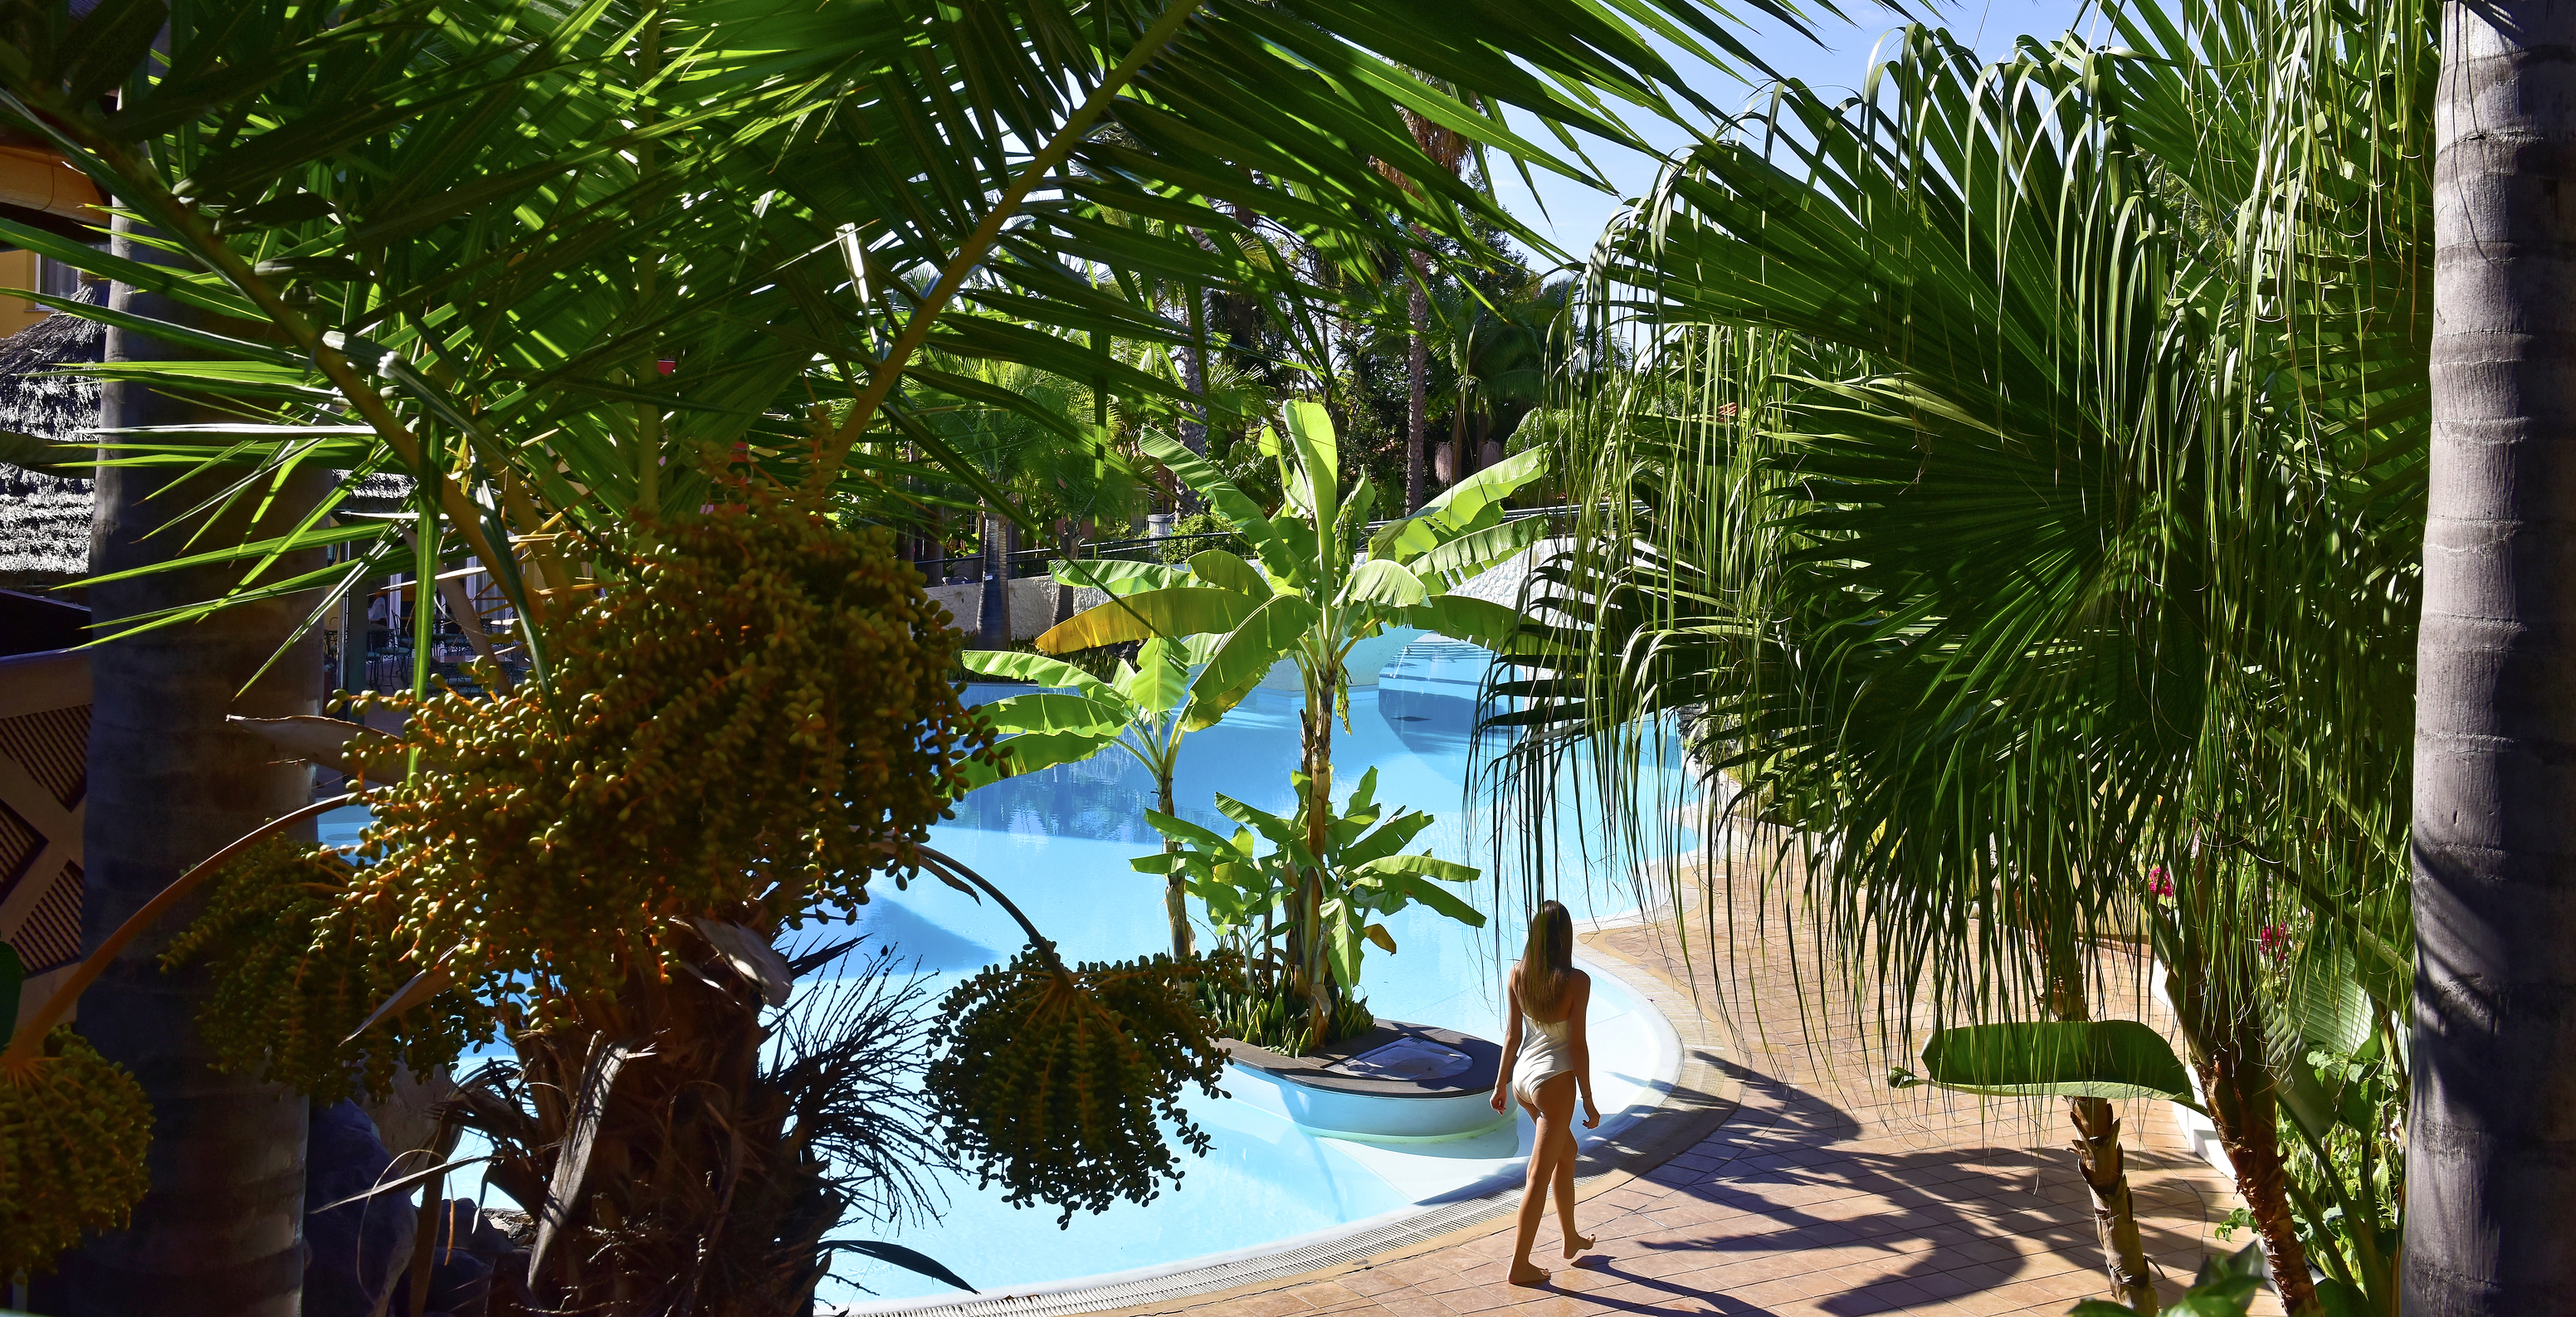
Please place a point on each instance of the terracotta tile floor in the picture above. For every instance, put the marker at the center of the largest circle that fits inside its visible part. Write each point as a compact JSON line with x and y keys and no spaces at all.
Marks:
{"x":1822,"y":1190}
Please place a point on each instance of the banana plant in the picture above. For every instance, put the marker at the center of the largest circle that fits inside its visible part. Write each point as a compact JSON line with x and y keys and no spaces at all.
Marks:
{"x":1323,"y":582}
{"x":1361,"y":874}
{"x":1146,"y":710}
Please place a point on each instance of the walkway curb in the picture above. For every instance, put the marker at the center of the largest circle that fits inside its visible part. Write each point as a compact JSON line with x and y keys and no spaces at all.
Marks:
{"x":1703,"y":1096}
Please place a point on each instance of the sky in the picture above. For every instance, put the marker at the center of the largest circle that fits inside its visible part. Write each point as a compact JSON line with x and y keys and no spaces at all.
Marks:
{"x":1574,"y":214}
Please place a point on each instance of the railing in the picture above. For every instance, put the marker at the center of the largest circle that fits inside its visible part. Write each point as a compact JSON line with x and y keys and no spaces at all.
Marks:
{"x":1034,"y":562}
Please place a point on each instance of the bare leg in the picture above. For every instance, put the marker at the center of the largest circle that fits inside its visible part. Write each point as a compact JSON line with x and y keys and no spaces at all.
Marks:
{"x":1575,"y":1242}
{"x":1548,"y":1148}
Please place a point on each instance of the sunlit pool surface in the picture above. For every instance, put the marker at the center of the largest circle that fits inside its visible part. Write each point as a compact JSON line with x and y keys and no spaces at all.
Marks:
{"x":1059,"y":841}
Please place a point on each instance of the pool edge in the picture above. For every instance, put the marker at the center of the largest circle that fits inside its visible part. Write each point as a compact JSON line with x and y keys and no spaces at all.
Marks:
{"x":1701,"y":1094}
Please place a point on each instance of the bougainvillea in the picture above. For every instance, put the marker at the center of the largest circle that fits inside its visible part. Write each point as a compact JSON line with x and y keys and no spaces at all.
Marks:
{"x":73,"y":1129}
{"x":1054,"y":1081}
{"x":747,"y":722}
{"x":298,"y":964}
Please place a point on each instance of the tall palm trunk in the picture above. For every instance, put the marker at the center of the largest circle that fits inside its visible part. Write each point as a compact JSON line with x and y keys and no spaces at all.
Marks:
{"x":1417,"y":376}
{"x":221,"y":1229}
{"x":1194,"y":421}
{"x":2491,"y":1139}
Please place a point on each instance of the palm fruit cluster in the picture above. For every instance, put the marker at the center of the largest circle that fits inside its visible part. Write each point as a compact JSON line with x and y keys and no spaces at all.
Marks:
{"x":748,"y":721}
{"x":1055,"y":1082}
{"x":73,"y":1129}
{"x":298,"y":963}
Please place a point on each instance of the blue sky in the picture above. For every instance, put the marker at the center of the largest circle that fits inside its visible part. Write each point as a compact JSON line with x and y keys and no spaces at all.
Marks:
{"x":1575,"y":214}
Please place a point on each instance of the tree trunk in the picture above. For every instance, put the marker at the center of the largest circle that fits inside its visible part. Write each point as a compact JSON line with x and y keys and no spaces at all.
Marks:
{"x":1317,"y":756}
{"x":1194,"y":421}
{"x":1417,"y":375}
{"x":2491,"y":1141}
{"x":2214,"y":1003}
{"x":1176,"y":903}
{"x":1069,"y":542}
{"x":993,"y":597}
{"x":2100,"y":1160}
{"x":169,"y":783}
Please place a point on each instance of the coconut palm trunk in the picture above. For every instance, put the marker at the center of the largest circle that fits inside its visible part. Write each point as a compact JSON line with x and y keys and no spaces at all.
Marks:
{"x":2491,"y":1143}
{"x":169,"y":784}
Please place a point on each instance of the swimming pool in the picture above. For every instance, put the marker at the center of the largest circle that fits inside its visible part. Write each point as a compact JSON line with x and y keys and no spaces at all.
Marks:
{"x":1058,"y":842}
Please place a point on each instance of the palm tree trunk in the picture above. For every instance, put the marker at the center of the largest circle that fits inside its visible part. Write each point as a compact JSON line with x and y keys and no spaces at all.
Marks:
{"x":2214,"y":1003}
{"x":1417,"y":375}
{"x":2491,"y":1139}
{"x":993,"y":598}
{"x":2100,"y":1159}
{"x":169,"y":783}
{"x":1194,"y":421}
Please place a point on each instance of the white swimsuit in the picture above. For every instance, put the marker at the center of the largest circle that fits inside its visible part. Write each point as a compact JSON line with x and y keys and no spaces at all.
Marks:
{"x":1547,"y":1050}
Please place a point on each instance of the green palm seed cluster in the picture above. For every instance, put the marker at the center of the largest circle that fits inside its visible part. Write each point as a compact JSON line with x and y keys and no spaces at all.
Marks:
{"x":747,"y":723}
{"x":298,"y":962}
{"x":73,"y":1128}
{"x":1056,"y":1082}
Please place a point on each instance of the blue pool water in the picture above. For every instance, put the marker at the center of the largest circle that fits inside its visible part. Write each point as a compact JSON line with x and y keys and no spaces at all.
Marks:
{"x":1058,"y":842}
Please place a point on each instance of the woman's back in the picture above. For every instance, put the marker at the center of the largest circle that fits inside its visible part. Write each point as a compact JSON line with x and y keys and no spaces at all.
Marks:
{"x":1547,"y":1046}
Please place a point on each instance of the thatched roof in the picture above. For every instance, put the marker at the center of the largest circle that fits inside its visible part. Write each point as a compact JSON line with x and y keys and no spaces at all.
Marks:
{"x":44,"y":519}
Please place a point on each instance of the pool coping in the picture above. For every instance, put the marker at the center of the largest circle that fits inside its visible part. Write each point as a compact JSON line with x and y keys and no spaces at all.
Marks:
{"x":1701,"y":1096}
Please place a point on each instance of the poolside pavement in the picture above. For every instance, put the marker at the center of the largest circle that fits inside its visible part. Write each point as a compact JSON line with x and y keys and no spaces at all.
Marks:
{"x":1801,"y":1184}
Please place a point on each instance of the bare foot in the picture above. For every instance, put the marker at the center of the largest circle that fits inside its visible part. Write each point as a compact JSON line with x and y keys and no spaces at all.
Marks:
{"x":1525,"y":1274}
{"x":1575,"y":1244}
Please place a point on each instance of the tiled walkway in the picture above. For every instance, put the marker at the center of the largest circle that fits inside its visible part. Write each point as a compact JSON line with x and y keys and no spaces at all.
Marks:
{"x":1822,"y":1192}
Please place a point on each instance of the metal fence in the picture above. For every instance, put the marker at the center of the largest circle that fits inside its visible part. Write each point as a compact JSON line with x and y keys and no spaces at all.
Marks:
{"x":1035,"y":562}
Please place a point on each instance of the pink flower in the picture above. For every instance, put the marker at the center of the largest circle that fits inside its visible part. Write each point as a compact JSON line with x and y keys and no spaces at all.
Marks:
{"x":2275,"y":941}
{"x":2159,"y":883}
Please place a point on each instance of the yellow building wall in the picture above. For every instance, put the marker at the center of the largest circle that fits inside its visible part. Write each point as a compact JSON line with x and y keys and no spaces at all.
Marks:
{"x":17,"y":270}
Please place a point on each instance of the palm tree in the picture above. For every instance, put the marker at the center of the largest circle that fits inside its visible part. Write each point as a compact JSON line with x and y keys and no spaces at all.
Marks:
{"x":2009,"y":542}
{"x":229,"y":1150}
{"x":445,"y":247}
{"x":1503,"y":353}
{"x":1447,"y":149}
{"x":2495,"y":973}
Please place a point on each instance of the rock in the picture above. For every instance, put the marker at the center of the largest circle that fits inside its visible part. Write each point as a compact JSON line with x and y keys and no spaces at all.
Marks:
{"x":353,"y":1253}
{"x":350,"y":1251}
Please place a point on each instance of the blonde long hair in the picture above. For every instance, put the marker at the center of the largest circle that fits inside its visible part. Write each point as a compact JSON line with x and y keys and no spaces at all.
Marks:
{"x":1547,"y":962}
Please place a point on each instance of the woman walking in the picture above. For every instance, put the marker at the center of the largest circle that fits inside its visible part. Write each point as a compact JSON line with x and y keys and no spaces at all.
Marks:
{"x":1554,"y":1064}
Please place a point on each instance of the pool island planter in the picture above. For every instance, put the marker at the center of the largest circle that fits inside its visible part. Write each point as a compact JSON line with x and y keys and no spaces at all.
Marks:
{"x":1322,"y":1096}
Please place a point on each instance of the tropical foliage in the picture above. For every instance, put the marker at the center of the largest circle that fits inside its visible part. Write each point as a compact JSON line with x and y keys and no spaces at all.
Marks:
{"x":1252,"y":878}
{"x":1324,"y":583}
{"x":1146,"y":709}
{"x":577,"y":274}
{"x":2020,"y":484}
{"x":741,"y":189}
